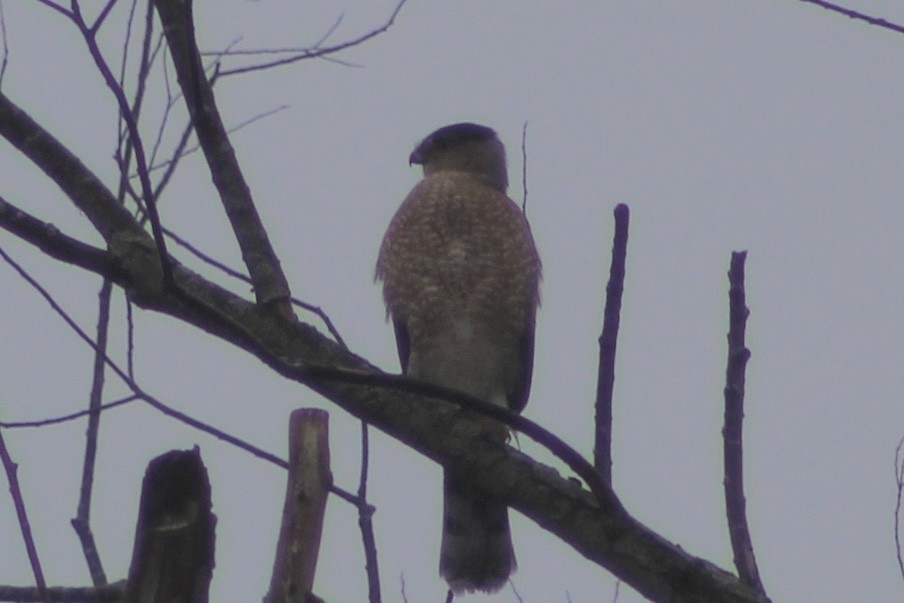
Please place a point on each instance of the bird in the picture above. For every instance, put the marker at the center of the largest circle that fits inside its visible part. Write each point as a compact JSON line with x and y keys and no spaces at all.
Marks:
{"x":461,"y":283}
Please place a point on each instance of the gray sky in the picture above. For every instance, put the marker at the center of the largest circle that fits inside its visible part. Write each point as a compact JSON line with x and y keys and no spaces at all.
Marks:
{"x":768,"y":126}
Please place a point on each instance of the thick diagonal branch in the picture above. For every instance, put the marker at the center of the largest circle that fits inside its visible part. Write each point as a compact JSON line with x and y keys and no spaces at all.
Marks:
{"x":270,"y":284}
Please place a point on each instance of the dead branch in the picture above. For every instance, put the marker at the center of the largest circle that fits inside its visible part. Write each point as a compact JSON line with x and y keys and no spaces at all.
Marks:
{"x":738,"y":354}
{"x":602,"y":447}
{"x":12,"y":477}
{"x":173,"y":558}
{"x":853,"y":14}
{"x":270,"y":284}
{"x":307,"y":487}
{"x":365,"y":523}
{"x":81,"y":523}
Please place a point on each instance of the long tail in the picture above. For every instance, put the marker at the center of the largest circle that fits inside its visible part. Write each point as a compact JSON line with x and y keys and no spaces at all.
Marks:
{"x":477,"y":552}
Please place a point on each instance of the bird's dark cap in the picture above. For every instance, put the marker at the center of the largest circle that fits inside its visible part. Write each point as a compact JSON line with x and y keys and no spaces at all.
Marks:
{"x":449,"y":136}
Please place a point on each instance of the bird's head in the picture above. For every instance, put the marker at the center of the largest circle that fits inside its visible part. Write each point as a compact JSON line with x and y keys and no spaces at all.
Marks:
{"x":464,"y":147}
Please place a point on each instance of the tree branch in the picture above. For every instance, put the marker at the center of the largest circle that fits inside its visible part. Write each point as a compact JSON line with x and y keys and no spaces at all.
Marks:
{"x":111,"y":593}
{"x":738,"y":354}
{"x":55,"y":244}
{"x":878,"y":22}
{"x":307,"y":488}
{"x":602,"y":448}
{"x":81,"y":523}
{"x":270,"y":284}
{"x":22,"y":515}
{"x":84,"y":189}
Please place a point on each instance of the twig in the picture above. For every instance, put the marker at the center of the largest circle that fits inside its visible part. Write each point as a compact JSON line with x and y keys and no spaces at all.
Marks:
{"x":320,"y":52}
{"x":18,"y":501}
{"x":5,"y":51}
{"x":139,"y":392}
{"x":524,"y":169}
{"x":81,"y":523}
{"x":878,"y":22}
{"x":147,"y":190}
{"x":317,"y":310}
{"x":899,"y":482}
{"x":66,"y":418}
{"x":602,"y":447}
{"x":365,"y":523}
{"x":738,"y":354}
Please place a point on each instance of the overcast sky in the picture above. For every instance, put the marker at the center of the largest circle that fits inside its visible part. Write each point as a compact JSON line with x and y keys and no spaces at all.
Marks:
{"x":773,"y":127}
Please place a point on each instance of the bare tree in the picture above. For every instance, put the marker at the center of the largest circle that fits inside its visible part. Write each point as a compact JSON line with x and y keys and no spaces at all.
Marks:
{"x":136,"y":259}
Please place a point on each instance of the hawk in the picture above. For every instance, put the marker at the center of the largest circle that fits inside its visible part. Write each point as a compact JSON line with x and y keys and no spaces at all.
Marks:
{"x":461,"y":279}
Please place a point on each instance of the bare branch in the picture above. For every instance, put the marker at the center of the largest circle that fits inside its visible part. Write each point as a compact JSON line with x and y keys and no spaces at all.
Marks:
{"x":270,"y":284}
{"x":738,"y":354}
{"x":82,"y":522}
{"x":54,"y":243}
{"x":307,"y":488}
{"x":112,"y":593}
{"x":4,"y":60}
{"x":899,"y":482}
{"x":365,"y":523}
{"x":602,"y":447}
{"x":878,"y":22}
{"x":317,"y":310}
{"x":66,"y":418}
{"x":315,"y":52}
{"x":56,"y":7}
{"x":139,"y":392}
{"x":125,"y":111}
{"x":24,"y":526}
{"x":524,"y":169}
{"x":84,"y":189}
{"x":101,"y":17}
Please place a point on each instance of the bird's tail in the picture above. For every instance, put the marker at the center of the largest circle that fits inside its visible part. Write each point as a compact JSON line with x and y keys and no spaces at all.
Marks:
{"x":477,"y":552}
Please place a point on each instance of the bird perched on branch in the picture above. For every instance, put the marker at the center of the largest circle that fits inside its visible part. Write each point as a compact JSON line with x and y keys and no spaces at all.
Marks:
{"x":461,"y":280}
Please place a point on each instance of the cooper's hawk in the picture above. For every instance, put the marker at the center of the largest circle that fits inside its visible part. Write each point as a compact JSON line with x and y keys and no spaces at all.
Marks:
{"x":461,"y":282}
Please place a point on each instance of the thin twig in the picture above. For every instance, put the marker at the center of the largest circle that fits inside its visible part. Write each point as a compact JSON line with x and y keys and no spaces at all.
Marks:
{"x":69,"y":417}
{"x":319,"y":52}
{"x":24,"y":526}
{"x":134,"y":134}
{"x":82,"y":523}
{"x":899,"y":482}
{"x":5,"y":50}
{"x":317,"y":310}
{"x":878,"y":22}
{"x":602,"y":446}
{"x":524,"y":169}
{"x":139,"y":392}
{"x":732,"y":433}
{"x":365,"y":523}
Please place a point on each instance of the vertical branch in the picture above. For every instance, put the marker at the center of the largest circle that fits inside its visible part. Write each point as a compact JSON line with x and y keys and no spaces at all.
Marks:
{"x":81,"y":522}
{"x":125,"y":111}
{"x":602,"y":447}
{"x":899,"y":481}
{"x":19,"y":502}
{"x":270,"y":284}
{"x":732,"y":433}
{"x":172,"y":559}
{"x":365,"y":523}
{"x":307,"y":486}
